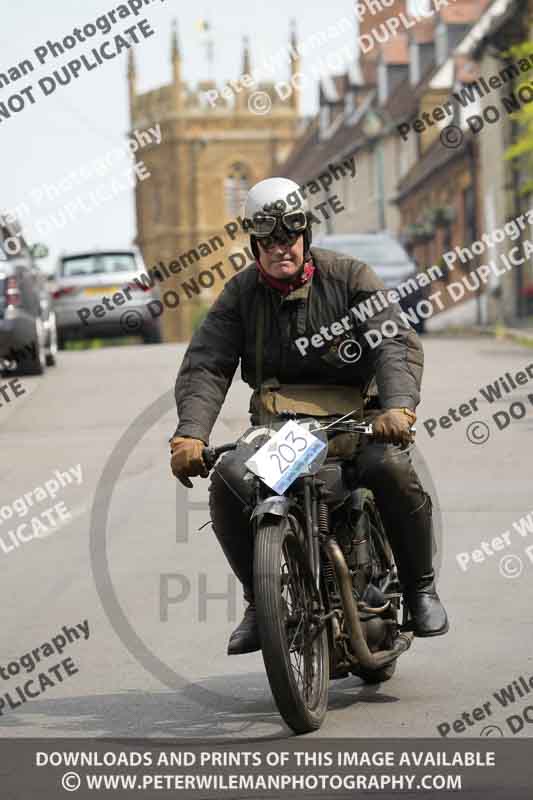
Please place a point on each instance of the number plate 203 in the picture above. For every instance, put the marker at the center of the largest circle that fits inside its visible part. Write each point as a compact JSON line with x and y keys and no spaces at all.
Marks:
{"x":285,"y":456}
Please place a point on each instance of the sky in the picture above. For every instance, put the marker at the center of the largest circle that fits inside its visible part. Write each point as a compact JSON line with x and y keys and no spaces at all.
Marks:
{"x":88,"y":119}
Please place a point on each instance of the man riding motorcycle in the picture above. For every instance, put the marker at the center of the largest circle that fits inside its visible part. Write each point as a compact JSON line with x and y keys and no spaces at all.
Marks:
{"x":296,"y":292}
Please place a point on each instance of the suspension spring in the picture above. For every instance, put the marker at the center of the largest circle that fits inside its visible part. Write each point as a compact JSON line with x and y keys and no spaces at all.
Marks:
{"x":323,"y":518}
{"x":327,"y":570}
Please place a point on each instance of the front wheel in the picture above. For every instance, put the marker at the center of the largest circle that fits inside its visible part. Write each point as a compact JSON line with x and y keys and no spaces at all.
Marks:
{"x":294,"y":645}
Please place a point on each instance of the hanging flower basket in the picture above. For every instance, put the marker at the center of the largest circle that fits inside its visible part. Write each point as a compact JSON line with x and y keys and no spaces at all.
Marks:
{"x":424,"y":232}
{"x":443,"y":216}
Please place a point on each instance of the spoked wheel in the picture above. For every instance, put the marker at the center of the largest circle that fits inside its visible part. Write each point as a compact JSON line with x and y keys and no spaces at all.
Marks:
{"x":294,"y":645}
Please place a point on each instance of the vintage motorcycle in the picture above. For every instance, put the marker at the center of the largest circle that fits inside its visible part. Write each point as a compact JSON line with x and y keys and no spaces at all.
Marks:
{"x":325,"y":585}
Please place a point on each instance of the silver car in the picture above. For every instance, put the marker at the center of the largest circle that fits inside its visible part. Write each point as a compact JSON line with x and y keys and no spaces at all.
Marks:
{"x":385,"y":255}
{"x":103,"y":294}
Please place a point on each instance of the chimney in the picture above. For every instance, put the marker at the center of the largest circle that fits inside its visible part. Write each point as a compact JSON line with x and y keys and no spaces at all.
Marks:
{"x":393,"y":66}
{"x":132,"y":83}
{"x":421,"y":40}
{"x":295,"y":67}
{"x":453,"y":24}
{"x":372,"y":15}
{"x":176,"y":65}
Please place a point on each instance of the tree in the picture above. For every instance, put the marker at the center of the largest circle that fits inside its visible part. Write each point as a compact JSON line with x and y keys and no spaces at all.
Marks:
{"x":521,"y":152}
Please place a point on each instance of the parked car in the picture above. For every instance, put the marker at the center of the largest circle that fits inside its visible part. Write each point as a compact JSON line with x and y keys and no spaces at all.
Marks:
{"x":28,"y":336}
{"x":385,"y":255}
{"x":83,"y":280}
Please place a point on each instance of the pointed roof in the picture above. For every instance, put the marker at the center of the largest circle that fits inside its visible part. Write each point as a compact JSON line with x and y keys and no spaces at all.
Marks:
{"x":175,"y":42}
{"x":131,"y":63}
{"x":246,"y":60}
{"x":293,"y":34}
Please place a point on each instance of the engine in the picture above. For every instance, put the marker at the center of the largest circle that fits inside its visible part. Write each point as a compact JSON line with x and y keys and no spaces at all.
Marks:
{"x":352,"y":530}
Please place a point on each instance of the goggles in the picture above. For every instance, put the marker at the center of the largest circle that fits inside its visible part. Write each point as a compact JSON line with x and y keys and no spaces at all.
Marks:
{"x":263,"y":225}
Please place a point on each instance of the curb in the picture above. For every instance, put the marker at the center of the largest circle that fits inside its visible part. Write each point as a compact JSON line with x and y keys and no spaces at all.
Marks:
{"x":523,"y":336}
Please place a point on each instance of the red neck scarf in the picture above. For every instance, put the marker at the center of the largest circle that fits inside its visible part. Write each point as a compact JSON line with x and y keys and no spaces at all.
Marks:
{"x":282,"y":286}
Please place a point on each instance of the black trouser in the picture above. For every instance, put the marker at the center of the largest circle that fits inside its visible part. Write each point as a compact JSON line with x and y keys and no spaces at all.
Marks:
{"x":404,"y":506}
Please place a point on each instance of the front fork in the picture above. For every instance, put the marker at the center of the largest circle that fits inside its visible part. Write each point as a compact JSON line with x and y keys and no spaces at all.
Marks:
{"x":315,"y":522}
{"x":312,"y":532}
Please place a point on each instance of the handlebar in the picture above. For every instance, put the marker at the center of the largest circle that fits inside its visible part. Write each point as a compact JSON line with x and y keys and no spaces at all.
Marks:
{"x":358,"y":427}
{"x":211,"y":455}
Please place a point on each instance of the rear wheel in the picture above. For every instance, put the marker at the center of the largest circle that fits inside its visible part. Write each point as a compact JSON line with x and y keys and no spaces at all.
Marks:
{"x":36,"y":363}
{"x":152,"y":335}
{"x":52,"y":347}
{"x":294,"y":647}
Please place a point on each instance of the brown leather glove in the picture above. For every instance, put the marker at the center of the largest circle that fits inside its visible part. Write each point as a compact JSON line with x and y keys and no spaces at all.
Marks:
{"x":186,"y":459}
{"x":394,"y":426}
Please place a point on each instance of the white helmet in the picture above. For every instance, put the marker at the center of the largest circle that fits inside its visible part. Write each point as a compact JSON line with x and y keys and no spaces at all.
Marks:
{"x":276,"y":209}
{"x":280,"y":194}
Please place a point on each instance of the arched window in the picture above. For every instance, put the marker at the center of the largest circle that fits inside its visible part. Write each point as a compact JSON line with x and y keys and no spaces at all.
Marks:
{"x":236,"y":186}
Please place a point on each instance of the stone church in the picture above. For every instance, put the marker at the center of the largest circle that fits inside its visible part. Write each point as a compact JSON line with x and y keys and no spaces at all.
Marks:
{"x":210,"y":153}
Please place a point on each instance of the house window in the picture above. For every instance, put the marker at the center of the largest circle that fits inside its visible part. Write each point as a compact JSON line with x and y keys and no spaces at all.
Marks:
{"x":470,"y":108}
{"x":469,"y":210}
{"x":349,"y":102}
{"x":414,"y":64}
{"x":382,"y":83}
{"x":403,"y":159}
{"x":325,"y":120}
{"x":236,"y":186}
{"x":441,"y":43}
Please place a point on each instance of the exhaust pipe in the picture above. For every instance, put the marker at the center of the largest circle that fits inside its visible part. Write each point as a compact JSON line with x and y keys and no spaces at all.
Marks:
{"x":364,"y":656}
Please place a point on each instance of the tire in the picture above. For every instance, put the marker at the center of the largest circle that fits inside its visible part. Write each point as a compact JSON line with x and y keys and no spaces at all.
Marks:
{"x":152,"y":335}
{"x":37,"y":365}
{"x":381,"y":556}
{"x":275,"y":544}
{"x":51,"y":355}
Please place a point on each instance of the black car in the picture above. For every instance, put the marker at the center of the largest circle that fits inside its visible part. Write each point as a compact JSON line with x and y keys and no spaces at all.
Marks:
{"x":28,"y":337}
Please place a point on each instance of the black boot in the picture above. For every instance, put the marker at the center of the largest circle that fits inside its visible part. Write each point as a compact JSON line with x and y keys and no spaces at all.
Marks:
{"x":417,"y":576}
{"x":429,"y":616}
{"x":245,"y":637}
{"x":411,"y":539}
{"x":231,"y":528}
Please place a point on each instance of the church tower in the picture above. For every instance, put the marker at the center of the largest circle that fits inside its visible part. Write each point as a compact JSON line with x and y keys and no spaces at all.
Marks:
{"x":214,"y":146}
